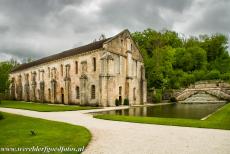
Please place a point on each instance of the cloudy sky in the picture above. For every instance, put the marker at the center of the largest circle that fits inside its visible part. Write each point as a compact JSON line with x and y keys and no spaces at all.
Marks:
{"x":38,"y":28}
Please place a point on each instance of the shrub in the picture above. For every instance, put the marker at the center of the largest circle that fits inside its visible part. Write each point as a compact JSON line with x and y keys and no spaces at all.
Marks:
{"x":157,"y":98}
{"x":173,"y":99}
{"x":126,"y":101}
{"x":225,"y":76}
{"x":213,"y":74}
{"x":1,"y":116}
{"x":117,"y":102}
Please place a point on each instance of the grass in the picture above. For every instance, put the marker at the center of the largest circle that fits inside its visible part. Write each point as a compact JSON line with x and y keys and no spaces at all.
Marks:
{"x":15,"y":132}
{"x":219,"y":120}
{"x":42,"y":107}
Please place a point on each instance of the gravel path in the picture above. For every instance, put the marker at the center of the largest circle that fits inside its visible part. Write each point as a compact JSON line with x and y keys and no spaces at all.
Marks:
{"x":112,"y":137}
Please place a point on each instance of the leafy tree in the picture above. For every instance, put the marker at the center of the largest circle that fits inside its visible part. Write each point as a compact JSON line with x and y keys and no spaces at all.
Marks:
{"x":172,"y":61}
{"x":5,"y":68}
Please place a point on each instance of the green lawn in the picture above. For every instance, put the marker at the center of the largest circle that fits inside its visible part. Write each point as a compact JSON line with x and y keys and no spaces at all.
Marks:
{"x":15,"y":132}
{"x":219,"y":120}
{"x":42,"y":107}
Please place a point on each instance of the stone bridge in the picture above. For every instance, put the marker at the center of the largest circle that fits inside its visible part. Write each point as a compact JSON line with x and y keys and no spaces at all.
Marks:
{"x":217,"y":89}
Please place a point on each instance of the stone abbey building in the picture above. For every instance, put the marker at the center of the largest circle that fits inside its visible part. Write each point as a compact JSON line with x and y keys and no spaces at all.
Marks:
{"x":94,"y":74}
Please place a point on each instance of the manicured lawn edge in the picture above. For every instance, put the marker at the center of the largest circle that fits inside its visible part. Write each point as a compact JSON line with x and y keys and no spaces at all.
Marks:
{"x":219,"y":120}
{"x":15,"y":131}
{"x":42,"y":107}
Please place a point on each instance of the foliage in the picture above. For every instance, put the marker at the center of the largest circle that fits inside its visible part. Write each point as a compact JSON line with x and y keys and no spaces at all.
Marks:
{"x":126,"y":101}
{"x":117,"y":102}
{"x":5,"y":68}
{"x":213,"y":74}
{"x":172,"y":61}
{"x":157,"y":98}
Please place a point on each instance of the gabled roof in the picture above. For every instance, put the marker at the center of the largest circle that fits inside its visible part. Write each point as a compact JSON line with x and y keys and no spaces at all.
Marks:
{"x":71,"y":52}
{"x":67,"y":53}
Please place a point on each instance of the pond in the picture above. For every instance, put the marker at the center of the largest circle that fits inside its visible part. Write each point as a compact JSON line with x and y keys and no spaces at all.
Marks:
{"x":189,"y":111}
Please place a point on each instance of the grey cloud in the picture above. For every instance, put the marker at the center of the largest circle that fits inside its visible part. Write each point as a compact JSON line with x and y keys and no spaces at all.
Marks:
{"x":37,"y":28}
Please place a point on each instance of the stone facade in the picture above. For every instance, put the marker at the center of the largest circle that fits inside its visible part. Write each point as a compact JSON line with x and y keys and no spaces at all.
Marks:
{"x":114,"y":70}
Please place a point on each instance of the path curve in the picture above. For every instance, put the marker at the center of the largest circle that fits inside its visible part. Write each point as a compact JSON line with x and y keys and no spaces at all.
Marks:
{"x":113,"y":137}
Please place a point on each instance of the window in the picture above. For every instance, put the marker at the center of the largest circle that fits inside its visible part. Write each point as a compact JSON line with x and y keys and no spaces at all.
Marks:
{"x":76,"y":67}
{"x":94,"y":64}
{"x":49,"y":94}
{"x":120,"y":90}
{"x":93,"y":92}
{"x":61,"y":70}
{"x":48,"y":72}
{"x":134,"y":93}
{"x":77,"y":93}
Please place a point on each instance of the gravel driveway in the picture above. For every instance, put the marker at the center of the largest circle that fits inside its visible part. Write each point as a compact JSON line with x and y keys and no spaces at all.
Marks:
{"x":113,"y":137}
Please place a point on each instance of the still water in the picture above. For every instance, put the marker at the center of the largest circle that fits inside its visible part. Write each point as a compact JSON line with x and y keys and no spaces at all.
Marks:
{"x":190,"y":111}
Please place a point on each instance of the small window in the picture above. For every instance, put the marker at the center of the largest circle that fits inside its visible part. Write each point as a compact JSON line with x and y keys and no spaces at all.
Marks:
{"x":76,"y":67}
{"x":61,"y":70}
{"x":122,"y":42}
{"x":134,"y":93}
{"x":120,"y":90}
{"x":94,"y":64}
{"x":93,"y":91}
{"x":77,"y":92}
{"x":48,"y":72}
{"x":49,"y":94}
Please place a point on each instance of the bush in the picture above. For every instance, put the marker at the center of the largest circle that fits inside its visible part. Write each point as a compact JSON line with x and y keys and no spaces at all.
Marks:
{"x":1,"y":116}
{"x":199,"y":74}
{"x":173,"y":99}
{"x":225,"y":76}
{"x":117,"y":102}
{"x":213,"y":74}
{"x":126,"y":101}
{"x":157,"y":98}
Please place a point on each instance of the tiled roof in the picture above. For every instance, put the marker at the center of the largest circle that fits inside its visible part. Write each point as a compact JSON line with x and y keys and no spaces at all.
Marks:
{"x":67,"y":53}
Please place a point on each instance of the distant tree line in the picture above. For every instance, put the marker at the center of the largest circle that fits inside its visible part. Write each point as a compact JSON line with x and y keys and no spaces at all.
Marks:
{"x":172,"y":62}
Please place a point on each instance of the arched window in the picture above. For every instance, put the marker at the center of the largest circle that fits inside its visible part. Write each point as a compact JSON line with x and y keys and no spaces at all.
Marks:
{"x":76,"y":67}
{"x":61,"y":70}
{"x":134,"y":93}
{"x":49,"y":94}
{"x":94,"y":64}
{"x":93,"y":91}
{"x":77,"y":93}
{"x":120,"y":91}
{"x":48,"y":72}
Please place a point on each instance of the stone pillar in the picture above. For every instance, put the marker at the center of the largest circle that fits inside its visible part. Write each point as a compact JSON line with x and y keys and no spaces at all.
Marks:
{"x":53,"y":91}
{"x":12,"y":89}
{"x":33,"y":85}
{"x":106,"y":81}
{"x":33,"y":91}
{"x":84,"y":90}
{"x":67,"y":87}
{"x":42,"y":92}
{"x":27,"y":91}
{"x":19,"y":88}
{"x":129,"y":64}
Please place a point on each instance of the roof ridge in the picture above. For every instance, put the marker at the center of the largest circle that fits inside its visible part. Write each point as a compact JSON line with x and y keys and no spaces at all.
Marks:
{"x":67,"y":53}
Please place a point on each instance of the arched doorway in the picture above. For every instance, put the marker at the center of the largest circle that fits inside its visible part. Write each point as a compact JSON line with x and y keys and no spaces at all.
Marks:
{"x":62,"y":95}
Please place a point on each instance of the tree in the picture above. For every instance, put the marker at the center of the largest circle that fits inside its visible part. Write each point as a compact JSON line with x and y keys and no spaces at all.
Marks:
{"x":5,"y":68}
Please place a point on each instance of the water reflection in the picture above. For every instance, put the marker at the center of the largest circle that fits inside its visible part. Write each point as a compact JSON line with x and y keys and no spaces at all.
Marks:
{"x":191,"y":111}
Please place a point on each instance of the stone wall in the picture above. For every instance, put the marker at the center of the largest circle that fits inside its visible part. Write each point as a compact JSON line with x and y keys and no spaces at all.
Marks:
{"x":117,"y":65}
